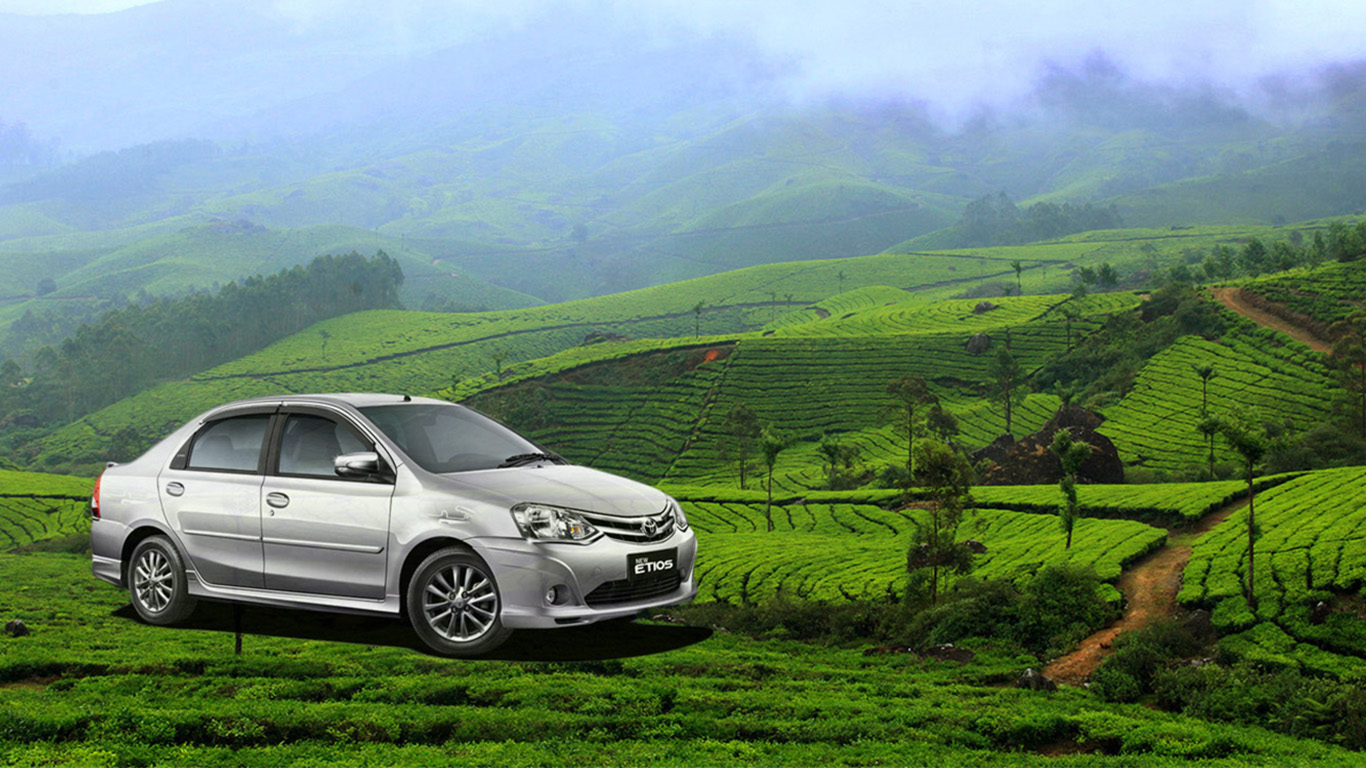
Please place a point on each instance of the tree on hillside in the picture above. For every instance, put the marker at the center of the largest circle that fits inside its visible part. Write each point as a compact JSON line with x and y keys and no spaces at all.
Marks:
{"x":1070,"y":314}
{"x":908,"y":394}
{"x":1072,"y":453}
{"x":1348,"y":360}
{"x":697,"y":318}
{"x":1206,"y":372}
{"x":1019,"y":270}
{"x":1107,"y":276}
{"x":947,"y":480}
{"x":1006,"y":372}
{"x":941,"y":423}
{"x":771,"y":443}
{"x":1251,"y":443}
{"x":841,"y":278}
{"x":836,"y":454}
{"x":742,"y":435}
{"x":1254,"y":258}
{"x":1209,"y":427}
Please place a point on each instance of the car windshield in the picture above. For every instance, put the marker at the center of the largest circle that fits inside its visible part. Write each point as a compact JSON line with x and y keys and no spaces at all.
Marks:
{"x":449,"y":438}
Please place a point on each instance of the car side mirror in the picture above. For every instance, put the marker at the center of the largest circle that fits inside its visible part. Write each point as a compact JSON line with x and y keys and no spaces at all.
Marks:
{"x":361,"y":464}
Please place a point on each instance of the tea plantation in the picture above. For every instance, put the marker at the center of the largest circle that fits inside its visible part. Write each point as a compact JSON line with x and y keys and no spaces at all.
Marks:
{"x":92,"y":686}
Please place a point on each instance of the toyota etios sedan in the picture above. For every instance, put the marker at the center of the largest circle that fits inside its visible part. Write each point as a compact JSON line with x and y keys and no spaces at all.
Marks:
{"x":385,"y":504}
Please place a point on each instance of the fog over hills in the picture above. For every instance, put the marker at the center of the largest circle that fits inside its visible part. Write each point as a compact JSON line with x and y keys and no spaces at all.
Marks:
{"x":568,"y":150}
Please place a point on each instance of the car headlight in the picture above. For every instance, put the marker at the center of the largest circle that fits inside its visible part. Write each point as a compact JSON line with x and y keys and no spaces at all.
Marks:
{"x":680,"y":520}
{"x":539,"y":522}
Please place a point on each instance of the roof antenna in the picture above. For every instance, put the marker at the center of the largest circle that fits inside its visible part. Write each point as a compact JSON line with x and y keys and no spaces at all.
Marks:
{"x":407,"y":398}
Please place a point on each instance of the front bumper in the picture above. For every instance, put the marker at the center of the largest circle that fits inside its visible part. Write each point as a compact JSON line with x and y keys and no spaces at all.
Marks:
{"x":526,"y":570}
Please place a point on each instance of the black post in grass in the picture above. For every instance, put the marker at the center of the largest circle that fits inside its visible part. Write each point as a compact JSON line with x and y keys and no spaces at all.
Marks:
{"x":237,"y":627}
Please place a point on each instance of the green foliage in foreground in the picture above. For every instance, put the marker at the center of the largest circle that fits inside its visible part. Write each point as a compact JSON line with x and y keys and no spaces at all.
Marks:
{"x":93,"y":687}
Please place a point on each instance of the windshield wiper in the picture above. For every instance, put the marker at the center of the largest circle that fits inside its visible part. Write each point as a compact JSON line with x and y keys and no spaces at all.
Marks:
{"x":527,"y":458}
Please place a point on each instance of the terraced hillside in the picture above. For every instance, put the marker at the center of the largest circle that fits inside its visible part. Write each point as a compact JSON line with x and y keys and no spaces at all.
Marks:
{"x":1313,"y":298}
{"x":425,"y":352}
{"x":1311,"y":549}
{"x":1257,"y":371}
{"x":857,"y":551}
{"x":36,"y":506}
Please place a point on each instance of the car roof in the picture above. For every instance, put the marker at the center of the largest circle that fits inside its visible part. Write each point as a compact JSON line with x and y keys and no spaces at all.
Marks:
{"x":353,"y":399}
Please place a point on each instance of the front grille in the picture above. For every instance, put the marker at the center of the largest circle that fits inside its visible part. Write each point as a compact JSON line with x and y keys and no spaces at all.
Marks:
{"x":637,"y":530}
{"x":633,"y":591}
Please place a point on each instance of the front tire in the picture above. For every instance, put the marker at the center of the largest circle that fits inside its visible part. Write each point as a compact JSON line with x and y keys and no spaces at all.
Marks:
{"x":454,"y":604}
{"x":156,"y":582}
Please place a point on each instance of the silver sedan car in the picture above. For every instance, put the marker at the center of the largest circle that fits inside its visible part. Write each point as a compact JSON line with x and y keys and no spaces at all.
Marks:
{"x":385,"y":504}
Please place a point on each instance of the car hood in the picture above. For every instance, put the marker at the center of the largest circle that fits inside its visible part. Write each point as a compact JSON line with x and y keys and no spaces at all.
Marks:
{"x":563,"y":486}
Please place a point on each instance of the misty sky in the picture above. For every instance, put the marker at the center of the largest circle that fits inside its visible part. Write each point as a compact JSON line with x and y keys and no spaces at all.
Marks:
{"x":951,"y":55}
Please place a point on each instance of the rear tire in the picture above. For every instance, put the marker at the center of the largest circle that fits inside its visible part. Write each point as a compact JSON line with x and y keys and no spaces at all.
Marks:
{"x":156,"y":582}
{"x":454,"y":604}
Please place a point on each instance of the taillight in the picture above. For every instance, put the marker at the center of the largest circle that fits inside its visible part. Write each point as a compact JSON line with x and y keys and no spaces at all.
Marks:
{"x":95,"y":499}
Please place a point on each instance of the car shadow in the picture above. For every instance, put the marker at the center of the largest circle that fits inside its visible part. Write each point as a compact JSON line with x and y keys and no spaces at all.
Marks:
{"x":593,"y":642}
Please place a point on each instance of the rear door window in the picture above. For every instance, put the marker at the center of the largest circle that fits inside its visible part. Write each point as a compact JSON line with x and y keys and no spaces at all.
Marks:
{"x":230,"y":445}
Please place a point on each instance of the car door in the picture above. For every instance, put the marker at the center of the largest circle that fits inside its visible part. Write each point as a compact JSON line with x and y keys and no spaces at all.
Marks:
{"x":322,"y":533}
{"x":211,"y":495}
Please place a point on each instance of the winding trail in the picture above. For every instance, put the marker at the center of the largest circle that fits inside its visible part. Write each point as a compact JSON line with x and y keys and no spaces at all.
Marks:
{"x":1232,"y":298}
{"x":1150,"y":588}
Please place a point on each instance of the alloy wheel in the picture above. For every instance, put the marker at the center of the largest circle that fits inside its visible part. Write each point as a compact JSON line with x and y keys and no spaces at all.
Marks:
{"x":459,"y":602}
{"x":154,"y":581}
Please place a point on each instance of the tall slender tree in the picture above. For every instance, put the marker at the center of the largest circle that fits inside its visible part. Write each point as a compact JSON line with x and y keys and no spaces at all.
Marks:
{"x":1206,"y":372}
{"x":1019,"y":270}
{"x":1209,"y":427}
{"x":742,"y":435}
{"x":771,"y":444}
{"x":1251,"y":443}
{"x":1072,"y":453}
{"x":947,"y":479}
{"x":1005,"y":371}
{"x":908,"y":394}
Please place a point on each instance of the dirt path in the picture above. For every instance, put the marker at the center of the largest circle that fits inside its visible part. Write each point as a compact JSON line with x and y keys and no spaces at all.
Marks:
{"x":1232,"y":298}
{"x":1150,"y":588}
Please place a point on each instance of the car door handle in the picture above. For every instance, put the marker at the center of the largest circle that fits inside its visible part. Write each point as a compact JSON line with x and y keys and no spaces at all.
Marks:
{"x":175,"y":489}
{"x":277,"y":500}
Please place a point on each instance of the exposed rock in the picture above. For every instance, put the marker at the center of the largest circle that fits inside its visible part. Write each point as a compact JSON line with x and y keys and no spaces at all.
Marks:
{"x":975,"y":547}
{"x":1199,"y":623}
{"x":995,"y":452}
{"x":948,"y":652}
{"x":1035,"y":681}
{"x":978,"y":344}
{"x":1031,"y":462}
{"x":16,"y":628}
{"x":983,"y":307}
{"x":1320,"y":613}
